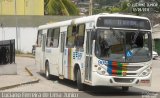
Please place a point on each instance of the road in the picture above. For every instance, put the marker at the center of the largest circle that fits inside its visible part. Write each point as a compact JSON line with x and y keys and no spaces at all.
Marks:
{"x":57,"y":85}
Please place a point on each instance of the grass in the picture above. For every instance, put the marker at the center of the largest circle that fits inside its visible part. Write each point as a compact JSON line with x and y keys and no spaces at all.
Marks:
{"x":23,"y":54}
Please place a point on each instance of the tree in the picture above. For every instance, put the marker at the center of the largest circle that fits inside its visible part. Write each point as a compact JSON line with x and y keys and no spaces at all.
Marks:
{"x":103,"y":3}
{"x":61,"y":7}
{"x":157,"y":9}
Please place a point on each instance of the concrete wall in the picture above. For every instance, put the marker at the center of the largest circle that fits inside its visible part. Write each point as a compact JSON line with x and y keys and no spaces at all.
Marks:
{"x":27,"y":28}
{"x":26,"y":37}
{"x":156,"y":31}
{"x":23,"y":7}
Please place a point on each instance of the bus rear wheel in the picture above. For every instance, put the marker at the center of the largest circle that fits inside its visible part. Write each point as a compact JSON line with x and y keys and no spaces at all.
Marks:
{"x":80,"y":85}
{"x":47,"y":72}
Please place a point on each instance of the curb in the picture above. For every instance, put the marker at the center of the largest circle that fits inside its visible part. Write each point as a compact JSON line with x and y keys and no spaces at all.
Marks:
{"x":29,"y":72}
{"x":20,"y":84}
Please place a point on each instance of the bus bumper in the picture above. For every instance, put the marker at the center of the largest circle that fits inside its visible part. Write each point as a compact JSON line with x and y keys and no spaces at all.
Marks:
{"x":102,"y":80}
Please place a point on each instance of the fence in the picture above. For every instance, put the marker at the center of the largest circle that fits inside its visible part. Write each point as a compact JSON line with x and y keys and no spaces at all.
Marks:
{"x":7,"y":52}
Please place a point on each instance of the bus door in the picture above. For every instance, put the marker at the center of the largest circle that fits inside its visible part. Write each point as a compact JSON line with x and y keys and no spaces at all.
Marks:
{"x":61,"y":56}
{"x":42,"y":65}
{"x":88,"y":60}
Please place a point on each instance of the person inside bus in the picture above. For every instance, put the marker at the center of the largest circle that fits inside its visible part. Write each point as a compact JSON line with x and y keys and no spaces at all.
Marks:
{"x":103,"y":47}
{"x":139,"y":41}
{"x":79,"y":40}
{"x":51,"y":42}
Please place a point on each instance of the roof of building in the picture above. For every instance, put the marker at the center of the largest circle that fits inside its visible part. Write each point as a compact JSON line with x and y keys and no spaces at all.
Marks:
{"x":30,"y":21}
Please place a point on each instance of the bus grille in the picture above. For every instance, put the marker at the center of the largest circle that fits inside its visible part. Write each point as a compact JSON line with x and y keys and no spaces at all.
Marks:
{"x":133,"y":68}
{"x":124,"y":80}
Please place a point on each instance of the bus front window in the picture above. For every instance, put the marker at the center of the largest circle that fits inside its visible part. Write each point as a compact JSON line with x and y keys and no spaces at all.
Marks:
{"x":123,"y":46}
{"x":110,"y":45}
{"x":139,"y":46}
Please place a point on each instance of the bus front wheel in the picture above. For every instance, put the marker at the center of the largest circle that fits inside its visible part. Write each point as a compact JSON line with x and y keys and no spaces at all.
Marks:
{"x":47,"y":72}
{"x":79,"y":81}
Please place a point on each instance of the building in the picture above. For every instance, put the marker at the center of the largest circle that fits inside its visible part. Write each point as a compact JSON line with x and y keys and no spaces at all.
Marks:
{"x":26,"y":32}
{"x":21,"y":7}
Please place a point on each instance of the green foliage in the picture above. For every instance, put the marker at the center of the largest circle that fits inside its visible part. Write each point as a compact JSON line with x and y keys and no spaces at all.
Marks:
{"x":115,"y":9}
{"x":112,"y":6}
{"x":100,"y":10}
{"x":19,"y":52}
{"x":124,"y":6}
{"x":157,"y":45}
{"x":157,"y":9}
{"x":61,"y":7}
{"x":106,"y":2}
{"x":72,"y":9}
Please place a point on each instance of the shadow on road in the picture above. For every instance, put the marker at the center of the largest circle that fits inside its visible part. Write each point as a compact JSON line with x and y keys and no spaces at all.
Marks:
{"x":113,"y":91}
{"x":101,"y":90}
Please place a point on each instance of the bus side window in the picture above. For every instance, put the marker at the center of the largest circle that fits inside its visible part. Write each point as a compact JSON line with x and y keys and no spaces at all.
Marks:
{"x":80,"y":35}
{"x":53,"y":38}
{"x":71,"y":32}
{"x":56,"y":37}
{"x":49,"y":37}
{"x":39,"y":38}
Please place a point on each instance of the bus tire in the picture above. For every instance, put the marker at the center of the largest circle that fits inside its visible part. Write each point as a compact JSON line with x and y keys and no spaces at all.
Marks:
{"x":125,"y":88}
{"x":80,"y":85}
{"x":47,"y":72}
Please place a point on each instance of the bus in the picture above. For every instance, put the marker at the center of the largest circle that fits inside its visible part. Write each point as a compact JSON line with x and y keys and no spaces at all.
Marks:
{"x":98,"y":50}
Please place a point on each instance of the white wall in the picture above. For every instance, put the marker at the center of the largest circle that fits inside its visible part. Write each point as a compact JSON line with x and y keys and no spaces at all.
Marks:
{"x":156,"y":31}
{"x":26,"y":36}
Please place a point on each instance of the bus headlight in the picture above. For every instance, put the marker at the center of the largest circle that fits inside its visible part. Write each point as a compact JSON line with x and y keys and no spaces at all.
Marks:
{"x":146,"y":72}
{"x":100,"y":70}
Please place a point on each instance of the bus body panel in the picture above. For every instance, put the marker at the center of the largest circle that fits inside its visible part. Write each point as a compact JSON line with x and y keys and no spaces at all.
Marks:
{"x":52,"y":56}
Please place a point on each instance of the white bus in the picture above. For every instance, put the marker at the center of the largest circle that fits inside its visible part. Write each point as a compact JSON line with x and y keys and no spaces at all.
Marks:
{"x":99,"y":50}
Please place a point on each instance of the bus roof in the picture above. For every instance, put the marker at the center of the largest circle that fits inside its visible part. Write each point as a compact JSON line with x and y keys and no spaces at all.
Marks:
{"x":85,"y":19}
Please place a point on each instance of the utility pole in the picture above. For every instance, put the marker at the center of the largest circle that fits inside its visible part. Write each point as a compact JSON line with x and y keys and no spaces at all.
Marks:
{"x":2,"y":30}
{"x":1,"y":7}
{"x":16,"y":23}
{"x":90,"y":7}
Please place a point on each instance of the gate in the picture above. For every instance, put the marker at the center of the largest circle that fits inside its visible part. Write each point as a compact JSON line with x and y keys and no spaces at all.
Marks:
{"x":7,"y":52}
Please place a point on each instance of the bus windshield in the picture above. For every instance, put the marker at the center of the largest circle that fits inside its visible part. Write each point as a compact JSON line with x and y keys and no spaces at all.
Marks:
{"x":123,"y":45}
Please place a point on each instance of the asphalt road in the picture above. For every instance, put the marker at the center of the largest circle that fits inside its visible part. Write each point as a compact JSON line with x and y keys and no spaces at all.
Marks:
{"x":57,"y":85}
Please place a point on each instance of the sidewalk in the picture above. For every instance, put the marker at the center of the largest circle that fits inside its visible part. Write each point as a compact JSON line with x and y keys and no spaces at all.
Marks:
{"x":23,"y":77}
